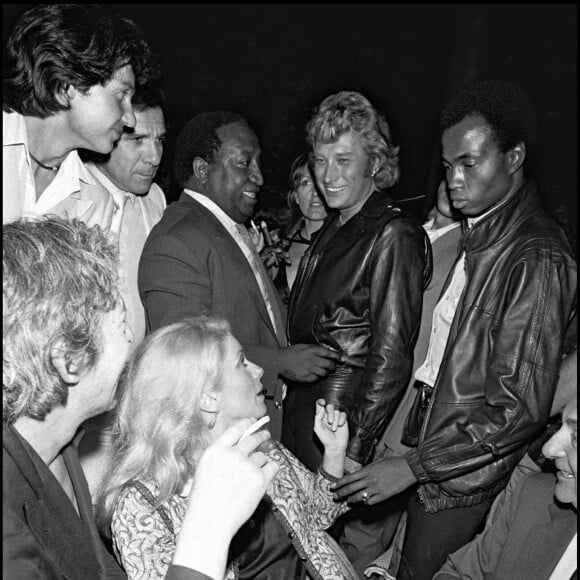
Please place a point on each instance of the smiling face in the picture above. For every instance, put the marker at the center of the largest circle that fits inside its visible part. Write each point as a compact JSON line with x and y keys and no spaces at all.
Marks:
{"x":562,"y":447}
{"x":478,"y":174}
{"x":97,"y":117}
{"x":343,"y":172}
{"x":234,"y":177}
{"x":135,"y":159}
{"x":240,"y":396}
{"x":306,"y":196}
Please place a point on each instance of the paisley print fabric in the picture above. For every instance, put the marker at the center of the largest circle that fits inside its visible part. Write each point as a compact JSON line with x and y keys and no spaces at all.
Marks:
{"x":301,"y":501}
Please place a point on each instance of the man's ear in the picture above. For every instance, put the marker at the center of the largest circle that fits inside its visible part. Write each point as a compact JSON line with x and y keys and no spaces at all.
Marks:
{"x":516,"y":157}
{"x":66,"y":364}
{"x":64,"y":95}
{"x":200,"y":170}
{"x":209,"y":401}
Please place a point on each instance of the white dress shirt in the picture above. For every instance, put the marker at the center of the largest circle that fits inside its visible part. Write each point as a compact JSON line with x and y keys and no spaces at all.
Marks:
{"x":19,"y":194}
{"x":133,"y":217}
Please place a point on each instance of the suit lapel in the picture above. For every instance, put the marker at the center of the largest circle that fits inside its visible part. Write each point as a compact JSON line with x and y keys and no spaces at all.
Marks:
{"x":235,"y":259}
{"x":51,"y":517}
{"x":553,"y":532}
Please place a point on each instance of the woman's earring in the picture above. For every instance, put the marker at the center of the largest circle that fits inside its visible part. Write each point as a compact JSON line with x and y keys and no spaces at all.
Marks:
{"x":214,"y":414}
{"x":212,"y":421}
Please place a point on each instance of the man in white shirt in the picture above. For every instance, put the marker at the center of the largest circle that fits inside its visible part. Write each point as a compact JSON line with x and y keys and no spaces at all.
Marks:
{"x":62,"y":96}
{"x":197,"y":260}
{"x":127,"y":173}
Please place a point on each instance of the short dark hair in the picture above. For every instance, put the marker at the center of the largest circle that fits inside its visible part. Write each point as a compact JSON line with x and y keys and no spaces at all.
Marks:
{"x":198,"y":138}
{"x":53,"y":46}
{"x":148,"y":97}
{"x":504,"y":106}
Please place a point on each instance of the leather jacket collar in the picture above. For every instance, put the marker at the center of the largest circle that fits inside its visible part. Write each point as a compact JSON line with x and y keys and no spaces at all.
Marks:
{"x":502,"y":222}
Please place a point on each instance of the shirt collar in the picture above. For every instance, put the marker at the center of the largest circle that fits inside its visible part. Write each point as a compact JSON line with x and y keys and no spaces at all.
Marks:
{"x":213,"y":207}
{"x":120,"y":196}
{"x":72,"y":168}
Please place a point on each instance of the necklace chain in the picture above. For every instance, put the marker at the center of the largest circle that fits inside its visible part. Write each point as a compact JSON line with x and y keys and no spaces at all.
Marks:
{"x":47,"y":167}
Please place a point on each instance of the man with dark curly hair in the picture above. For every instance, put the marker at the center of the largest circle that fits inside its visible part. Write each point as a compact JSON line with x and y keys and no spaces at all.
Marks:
{"x":488,"y":380}
{"x":70,"y":76}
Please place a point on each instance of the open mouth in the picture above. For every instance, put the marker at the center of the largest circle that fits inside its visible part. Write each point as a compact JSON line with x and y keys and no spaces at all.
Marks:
{"x":251,"y":194}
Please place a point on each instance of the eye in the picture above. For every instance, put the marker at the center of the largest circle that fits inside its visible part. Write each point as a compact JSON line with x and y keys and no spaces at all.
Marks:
{"x":318,"y":160}
{"x":305,"y":183}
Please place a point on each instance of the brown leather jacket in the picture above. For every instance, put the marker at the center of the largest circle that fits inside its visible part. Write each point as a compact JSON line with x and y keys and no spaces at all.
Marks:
{"x":359,"y":291}
{"x":499,"y":371}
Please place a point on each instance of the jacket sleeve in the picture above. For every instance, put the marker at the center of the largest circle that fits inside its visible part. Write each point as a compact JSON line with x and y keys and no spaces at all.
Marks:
{"x":173,"y":282}
{"x":399,"y":268}
{"x":478,"y":559}
{"x":525,"y":331}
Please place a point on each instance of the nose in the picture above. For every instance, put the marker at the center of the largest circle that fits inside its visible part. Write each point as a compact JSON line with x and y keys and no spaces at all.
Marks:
{"x":256,"y":175}
{"x":554,"y":447}
{"x":154,"y":153}
{"x":454,"y":177}
{"x":256,"y":371}
{"x":330,"y":173}
{"x":128,"y":116}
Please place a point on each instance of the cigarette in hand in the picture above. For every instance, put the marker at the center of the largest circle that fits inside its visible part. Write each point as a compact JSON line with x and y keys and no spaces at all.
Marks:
{"x":255,"y":228}
{"x":267,"y":236}
{"x":255,"y":427}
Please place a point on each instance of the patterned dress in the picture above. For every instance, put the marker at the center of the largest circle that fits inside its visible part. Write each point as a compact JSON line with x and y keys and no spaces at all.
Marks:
{"x":301,"y":501}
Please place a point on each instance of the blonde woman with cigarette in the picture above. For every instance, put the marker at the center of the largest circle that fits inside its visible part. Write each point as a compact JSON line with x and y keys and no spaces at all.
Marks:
{"x":184,"y":386}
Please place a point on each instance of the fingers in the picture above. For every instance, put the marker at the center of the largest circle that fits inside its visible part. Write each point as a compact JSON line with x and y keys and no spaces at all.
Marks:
{"x":233,"y":433}
{"x":326,"y":353}
{"x":250,"y":443}
{"x":348,"y":479}
{"x":352,"y":492}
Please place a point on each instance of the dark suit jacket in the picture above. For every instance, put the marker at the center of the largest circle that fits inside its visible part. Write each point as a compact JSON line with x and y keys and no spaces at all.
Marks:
{"x":526,"y":540}
{"x":42,"y":534}
{"x":190,"y":266}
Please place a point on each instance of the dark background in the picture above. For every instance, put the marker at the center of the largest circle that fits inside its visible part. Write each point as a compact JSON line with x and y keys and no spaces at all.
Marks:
{"x":275,"y":63}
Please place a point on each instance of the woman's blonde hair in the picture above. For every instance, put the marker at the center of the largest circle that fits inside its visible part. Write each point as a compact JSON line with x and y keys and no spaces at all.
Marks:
{"x":159,"y":434}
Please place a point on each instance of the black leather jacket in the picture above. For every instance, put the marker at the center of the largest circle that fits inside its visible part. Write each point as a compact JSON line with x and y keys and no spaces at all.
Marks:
{"x":359,"y":291}
{"x":499,"y":371}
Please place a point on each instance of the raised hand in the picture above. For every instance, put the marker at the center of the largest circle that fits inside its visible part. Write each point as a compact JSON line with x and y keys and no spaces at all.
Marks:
{"x":331,"y":427}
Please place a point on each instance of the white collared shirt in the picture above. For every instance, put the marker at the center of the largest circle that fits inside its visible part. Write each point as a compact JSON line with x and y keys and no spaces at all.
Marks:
{"x":443,"y":315}
{"x":18,"y":187}
{"x":133,"y":218}
{"x":435,"y":234}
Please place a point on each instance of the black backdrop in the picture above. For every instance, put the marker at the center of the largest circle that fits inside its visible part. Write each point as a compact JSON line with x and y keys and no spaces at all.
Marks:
{"x":275,"y":63}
